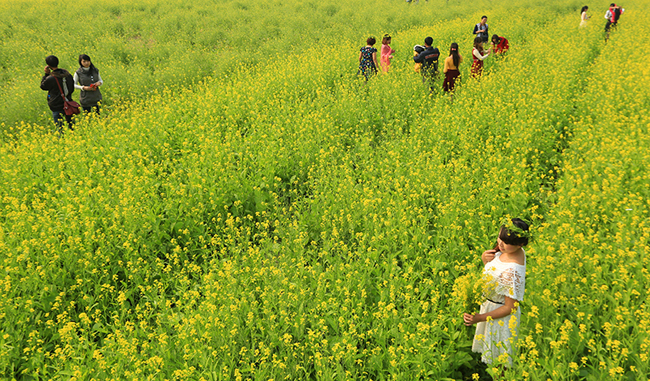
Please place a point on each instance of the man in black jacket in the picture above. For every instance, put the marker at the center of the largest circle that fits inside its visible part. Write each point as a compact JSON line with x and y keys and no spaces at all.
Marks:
{"x":429,"y":60}
{"x":54,"y":99}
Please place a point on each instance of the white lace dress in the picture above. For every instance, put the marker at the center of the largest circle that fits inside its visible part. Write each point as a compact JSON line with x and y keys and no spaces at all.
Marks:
{"x":497,"y":339}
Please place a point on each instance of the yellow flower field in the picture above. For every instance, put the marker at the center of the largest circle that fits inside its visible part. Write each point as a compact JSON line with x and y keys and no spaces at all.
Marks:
{"x":246,"y":208}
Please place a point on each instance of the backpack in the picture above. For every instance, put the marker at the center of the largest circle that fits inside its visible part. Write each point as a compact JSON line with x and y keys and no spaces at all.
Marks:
{"x":617,"y":14}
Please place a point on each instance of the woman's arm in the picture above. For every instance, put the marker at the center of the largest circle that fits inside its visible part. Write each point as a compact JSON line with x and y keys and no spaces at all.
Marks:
{"x":360,"y":56}
{"x":478,"y":54}
{"x":77,"y":85}
{"x":503,"y":311}
{"x":374,"y":59}
{"x":99,"y":80}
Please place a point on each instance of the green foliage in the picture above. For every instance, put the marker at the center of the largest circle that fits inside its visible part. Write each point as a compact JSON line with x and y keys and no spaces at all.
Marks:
{"x":249,"y":209}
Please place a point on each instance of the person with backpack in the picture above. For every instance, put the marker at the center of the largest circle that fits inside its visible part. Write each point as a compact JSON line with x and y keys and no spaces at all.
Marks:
{"x":612,"y":15}
{"x":87,"y":80}
{"x":59,"y":85}
{"x":481,"y":29}
{"x":429,"y":60}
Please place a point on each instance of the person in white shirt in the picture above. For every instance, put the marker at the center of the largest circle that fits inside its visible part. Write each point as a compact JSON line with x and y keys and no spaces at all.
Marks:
{"x":583,"y":16}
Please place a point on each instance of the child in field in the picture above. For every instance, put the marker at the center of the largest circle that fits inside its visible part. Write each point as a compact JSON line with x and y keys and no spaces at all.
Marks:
{"x":479,"y":55}
{"x":417,"y":49}
{"x":504,"y":271}
{"x":368,"y":59}
{"x":386,"y":52}
{"x":583,"y":16}
{"x":451,"y":68}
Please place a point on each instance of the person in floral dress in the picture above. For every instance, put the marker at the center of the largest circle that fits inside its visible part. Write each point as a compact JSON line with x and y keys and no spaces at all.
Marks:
{"x":368,"y":59}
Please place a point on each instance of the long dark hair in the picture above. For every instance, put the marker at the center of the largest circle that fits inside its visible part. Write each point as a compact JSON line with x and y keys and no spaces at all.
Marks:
{"x":92,"y":67}
{"x":584,"y":9}
{"x":453,"y":52}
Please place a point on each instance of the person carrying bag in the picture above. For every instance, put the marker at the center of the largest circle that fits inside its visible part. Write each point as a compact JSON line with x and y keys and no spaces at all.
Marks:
{"x":70,"y":107}
{"x":59,"y":85}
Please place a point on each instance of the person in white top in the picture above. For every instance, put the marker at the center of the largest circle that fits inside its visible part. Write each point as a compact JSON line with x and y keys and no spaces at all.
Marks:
{"x":504,"y":274}
{"x":583,"y":16}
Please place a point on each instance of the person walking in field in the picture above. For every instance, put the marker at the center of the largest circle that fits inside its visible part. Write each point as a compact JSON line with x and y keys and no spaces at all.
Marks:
{"x":56,"y":81}
{"x":500,"y":45}
{"x":368,"y":59}
{"x":504,"y":274}
{"x":429,"y":60}
{"x":87,"y":79}
{"x":481,"y":29}
{"x":386,"y":52}
{"x":478,"y":55}
{"x":584,"y":16}
{"x":612,"y":15}
{"x":452,"y":63}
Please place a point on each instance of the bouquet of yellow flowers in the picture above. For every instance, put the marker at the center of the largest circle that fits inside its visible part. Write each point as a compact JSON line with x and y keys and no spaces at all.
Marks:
{"x":471,"y":289}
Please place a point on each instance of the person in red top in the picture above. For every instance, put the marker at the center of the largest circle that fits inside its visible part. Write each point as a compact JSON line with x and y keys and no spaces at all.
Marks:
{"x":499,"y":44}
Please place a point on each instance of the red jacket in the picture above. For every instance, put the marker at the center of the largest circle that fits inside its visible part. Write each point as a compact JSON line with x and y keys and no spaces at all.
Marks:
{"x":502,"y":46}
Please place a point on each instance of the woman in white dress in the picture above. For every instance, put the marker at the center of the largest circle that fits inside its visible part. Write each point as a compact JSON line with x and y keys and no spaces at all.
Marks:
{"x":497,"y":323}
{"x":583,"y":16}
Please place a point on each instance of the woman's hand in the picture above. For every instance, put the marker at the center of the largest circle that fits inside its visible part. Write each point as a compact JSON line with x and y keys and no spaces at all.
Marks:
{"x":488,"y":256}
{"x":470,"y":320}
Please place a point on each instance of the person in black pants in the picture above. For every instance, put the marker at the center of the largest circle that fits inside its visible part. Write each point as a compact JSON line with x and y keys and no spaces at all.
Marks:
{"x":429,"y":60}
{"x":54,"y":74}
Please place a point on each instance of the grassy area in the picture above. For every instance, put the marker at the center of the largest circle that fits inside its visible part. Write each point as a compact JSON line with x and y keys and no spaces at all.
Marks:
{"x":254,"y":211}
